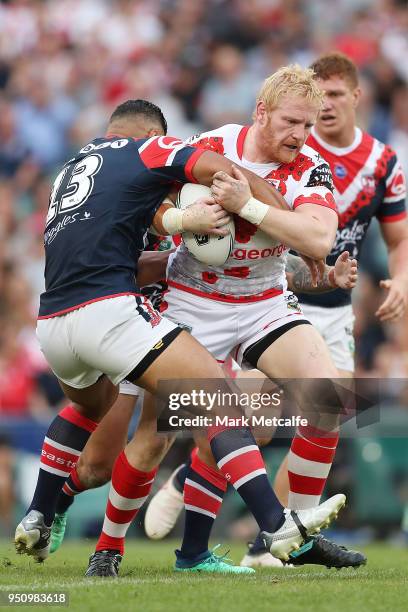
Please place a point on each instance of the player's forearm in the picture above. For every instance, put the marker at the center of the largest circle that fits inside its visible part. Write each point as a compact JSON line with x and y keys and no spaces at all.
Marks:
{"x":303,"y":233}
{"x":300,"y":278}
{"x":209,"y":163}
{"x":397,"y":261}
{"x":265,"y":192}
{"x":152,"y":267}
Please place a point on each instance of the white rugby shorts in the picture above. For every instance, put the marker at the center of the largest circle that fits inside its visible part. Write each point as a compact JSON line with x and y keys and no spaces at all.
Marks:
{"x":229,"y":329}
{"x":112,"y":336}
{"x":336,"y":326}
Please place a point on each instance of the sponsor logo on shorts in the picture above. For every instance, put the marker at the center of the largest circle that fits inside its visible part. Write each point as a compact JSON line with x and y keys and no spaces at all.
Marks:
{"x":184,"y":326}
{"x":148,"y":313}
{"x":158,"y":345}
{"x":292,"y":303}
{"x":348,"y":330}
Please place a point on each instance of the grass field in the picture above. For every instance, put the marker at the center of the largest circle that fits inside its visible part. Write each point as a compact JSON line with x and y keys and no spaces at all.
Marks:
{"x":148,"y":584}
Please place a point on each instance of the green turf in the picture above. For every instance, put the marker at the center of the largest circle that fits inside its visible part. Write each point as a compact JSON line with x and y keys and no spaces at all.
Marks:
{"x":148,"y":584}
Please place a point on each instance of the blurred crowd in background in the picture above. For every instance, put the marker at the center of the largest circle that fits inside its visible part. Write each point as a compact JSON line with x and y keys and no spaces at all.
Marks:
{"x":65,"y":65}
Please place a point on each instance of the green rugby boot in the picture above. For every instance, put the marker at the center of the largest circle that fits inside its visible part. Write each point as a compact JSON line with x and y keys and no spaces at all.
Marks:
{"x":58,"y":531}
{"x":210,"y":563}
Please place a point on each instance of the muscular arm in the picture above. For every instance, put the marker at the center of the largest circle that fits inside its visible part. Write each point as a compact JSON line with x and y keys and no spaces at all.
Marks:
{"x":204,"y":169}
{"x":311,"y":230}
{"x":396,"y":238}
{"x":209,"y":163}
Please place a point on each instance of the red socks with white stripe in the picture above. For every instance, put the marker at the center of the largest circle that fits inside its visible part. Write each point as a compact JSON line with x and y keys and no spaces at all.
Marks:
{"x":63,"y":444}
{"x":204,"y":489}
{"x":129,"y":490}
{"x":239,"y":459}
{"x":310,"y":458}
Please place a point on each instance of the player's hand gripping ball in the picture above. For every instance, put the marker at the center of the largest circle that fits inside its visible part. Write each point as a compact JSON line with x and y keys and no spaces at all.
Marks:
{"x":208,"y":248}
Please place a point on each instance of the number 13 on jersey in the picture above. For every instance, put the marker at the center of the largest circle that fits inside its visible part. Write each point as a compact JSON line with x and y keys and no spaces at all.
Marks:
{"x":73,"y":186}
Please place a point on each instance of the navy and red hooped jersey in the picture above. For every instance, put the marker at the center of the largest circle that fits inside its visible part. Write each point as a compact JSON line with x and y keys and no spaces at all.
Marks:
{"x":368,"y":182}
{"x":101,"y":205}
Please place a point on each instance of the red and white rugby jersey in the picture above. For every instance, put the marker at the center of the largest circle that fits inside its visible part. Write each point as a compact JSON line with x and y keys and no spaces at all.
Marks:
{"x":256,"y":268}
{"x":369,"y":182}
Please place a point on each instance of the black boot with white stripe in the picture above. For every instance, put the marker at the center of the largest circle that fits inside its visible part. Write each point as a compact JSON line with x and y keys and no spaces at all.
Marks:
{"x":298,"y":526}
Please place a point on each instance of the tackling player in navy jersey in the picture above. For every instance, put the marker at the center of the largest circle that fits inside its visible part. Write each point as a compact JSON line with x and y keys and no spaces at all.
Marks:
{"x":96,"y":329}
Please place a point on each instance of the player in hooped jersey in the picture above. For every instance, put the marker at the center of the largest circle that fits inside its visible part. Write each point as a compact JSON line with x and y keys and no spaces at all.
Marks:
{"x":96,"y":329}
{"x":369,"y":182}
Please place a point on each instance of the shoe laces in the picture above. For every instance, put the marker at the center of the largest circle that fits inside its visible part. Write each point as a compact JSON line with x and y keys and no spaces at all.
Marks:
{"x":105,"y":559}
{"x":328,"y":545}
{"x":213,"y":558}
{"x":59,"y":520}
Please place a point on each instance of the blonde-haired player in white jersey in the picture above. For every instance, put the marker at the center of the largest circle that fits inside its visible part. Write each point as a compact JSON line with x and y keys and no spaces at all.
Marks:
{"x":368,"y":182}
{"x":243,"y":307}
{"x":265,"y":314}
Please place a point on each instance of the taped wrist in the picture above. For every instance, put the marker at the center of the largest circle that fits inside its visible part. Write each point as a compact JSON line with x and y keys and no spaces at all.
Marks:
{"x":254,"y":211}
{"x":172,"y":221}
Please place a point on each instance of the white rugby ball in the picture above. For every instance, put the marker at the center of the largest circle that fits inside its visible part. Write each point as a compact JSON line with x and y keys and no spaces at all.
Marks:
{"x":207,"y":248}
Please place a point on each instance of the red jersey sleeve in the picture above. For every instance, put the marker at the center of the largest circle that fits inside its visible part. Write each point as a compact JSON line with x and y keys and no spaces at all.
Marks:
{"x":169,"y":158}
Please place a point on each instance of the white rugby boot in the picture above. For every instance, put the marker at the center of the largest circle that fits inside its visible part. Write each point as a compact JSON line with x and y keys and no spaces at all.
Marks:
{"x":261,"y":559}
{"x":300,"y":525}
{"x":164,"y":509}
{"x":33,"y":536}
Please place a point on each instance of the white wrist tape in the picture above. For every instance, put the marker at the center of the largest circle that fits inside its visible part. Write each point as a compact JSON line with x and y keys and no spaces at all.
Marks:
{"x":254,"y":211}
{"x":172,"y":221}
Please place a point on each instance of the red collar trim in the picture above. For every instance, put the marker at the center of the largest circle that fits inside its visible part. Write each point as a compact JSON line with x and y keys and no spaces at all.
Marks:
{"x":241,"y":140}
